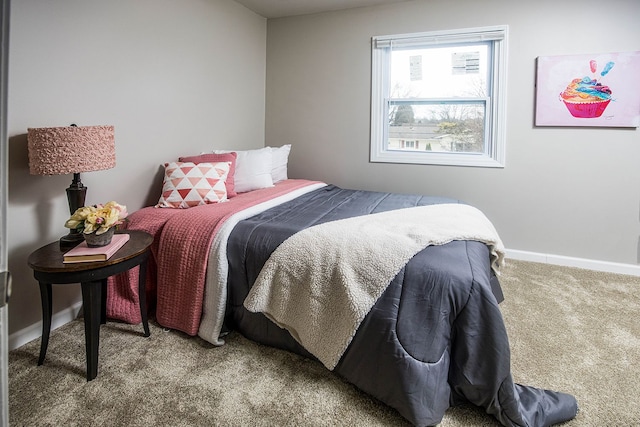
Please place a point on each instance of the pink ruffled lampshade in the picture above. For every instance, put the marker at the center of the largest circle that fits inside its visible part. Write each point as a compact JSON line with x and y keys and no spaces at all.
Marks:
{"x":71,"y":149}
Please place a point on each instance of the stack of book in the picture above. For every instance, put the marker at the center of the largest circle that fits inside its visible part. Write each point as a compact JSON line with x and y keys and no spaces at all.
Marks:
{"x":83,"y":253}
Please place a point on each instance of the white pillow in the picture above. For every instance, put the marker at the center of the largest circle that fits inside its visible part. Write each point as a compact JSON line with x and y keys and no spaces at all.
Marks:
{"x":253,"y":169}
{"x":279,"y":161}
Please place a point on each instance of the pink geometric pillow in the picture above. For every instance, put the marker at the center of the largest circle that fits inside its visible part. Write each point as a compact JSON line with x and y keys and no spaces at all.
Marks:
{"x":215,"y":158}
{"x":187,"y":184}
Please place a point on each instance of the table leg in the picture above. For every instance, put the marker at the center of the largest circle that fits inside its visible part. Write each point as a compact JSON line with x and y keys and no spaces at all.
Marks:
{"x":45,"y":298}
{"x":103,"y":302}
{"x":92,"y":306}
{"x":142,"y":297}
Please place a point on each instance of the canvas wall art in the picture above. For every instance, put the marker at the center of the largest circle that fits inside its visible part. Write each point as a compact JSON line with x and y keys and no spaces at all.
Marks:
{"x":588,"y":90}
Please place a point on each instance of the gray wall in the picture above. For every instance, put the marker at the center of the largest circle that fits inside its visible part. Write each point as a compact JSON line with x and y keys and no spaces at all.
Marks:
{"x":564,"y":191}
{"x":173,"y":77}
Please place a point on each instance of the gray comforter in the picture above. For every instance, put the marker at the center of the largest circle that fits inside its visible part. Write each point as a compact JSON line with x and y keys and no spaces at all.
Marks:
{"x":435,"y":337}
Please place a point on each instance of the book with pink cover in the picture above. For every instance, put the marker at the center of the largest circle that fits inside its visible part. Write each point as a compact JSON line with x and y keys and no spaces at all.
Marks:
{"x":83,"y":253}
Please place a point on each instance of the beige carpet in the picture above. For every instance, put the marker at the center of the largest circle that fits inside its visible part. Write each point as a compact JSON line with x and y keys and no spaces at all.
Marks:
{"x":571,"y":330}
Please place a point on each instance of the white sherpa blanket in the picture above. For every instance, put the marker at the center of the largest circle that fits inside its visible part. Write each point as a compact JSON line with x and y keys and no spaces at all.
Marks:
{"x":215,"y":292}
{"x":320,"y":283}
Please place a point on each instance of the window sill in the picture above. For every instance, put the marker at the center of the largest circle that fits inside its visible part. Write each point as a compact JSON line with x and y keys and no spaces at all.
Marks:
{"x":443,"y":159}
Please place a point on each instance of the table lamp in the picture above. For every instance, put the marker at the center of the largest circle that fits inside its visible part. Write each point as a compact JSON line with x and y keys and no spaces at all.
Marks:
{"x":72,"y":149}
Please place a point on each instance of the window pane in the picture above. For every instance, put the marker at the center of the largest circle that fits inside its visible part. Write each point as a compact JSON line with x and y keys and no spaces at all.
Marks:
{"x":439,"y":97}
{"x":439,"y":72}
{"x":449,"y":127}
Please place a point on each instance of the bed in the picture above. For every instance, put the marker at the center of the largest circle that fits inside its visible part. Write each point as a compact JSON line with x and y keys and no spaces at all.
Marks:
{"x":430,"y":338}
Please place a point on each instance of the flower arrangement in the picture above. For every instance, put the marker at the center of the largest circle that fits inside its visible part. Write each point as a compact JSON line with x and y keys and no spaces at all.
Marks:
{"x":97,"y":218}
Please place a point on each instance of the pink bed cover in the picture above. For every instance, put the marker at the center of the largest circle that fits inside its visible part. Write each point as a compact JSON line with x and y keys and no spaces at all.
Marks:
{"x":177,"y":267}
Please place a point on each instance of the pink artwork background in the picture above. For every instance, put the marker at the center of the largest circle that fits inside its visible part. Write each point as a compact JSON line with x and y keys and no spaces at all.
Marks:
{"x":554,"y":73}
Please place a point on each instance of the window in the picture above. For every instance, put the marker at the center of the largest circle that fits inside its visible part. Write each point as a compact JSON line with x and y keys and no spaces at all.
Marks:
{"x":439,"y":97}
{"x":408,"y":144}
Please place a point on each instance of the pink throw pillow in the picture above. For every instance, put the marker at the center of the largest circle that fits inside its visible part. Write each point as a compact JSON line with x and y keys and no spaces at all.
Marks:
{"x":215,"y":158}
{"x":187,"y":184}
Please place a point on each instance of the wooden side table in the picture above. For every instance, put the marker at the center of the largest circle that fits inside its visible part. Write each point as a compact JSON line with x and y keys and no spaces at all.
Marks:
{"x":49,"y":269}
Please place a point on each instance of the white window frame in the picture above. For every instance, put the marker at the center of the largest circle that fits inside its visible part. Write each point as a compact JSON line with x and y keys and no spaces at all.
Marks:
{"x":495,"y":113}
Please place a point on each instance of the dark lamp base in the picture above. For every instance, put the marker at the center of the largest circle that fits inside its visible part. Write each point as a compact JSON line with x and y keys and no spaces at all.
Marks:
{"x":71,"y":240}
{"x":76,"y":194}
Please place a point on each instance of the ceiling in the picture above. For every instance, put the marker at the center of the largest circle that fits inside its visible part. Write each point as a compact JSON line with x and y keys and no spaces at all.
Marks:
{"x":281,"y":8}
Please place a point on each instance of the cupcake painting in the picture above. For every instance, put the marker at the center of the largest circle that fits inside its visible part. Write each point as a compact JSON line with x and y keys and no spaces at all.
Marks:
{"x":588,"y":90}
{"x":585,"y":97}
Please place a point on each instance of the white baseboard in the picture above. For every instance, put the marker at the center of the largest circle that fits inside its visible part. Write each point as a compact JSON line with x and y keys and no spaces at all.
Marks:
{"x":588,"y":264}
{"x":34,"y":331}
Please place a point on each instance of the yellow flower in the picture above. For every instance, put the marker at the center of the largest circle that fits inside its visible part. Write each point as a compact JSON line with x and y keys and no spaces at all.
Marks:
{"x":78,"y":217}
{"x":111,"y":217}
{"x":98,"y":218}
{"x":72,"y":223}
